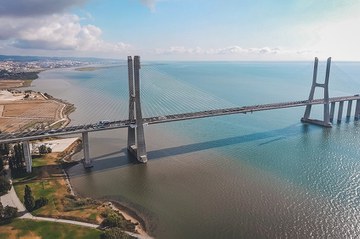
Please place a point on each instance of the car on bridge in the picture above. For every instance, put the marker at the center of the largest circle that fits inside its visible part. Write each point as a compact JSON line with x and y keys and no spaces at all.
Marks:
{"x":103,"y":123}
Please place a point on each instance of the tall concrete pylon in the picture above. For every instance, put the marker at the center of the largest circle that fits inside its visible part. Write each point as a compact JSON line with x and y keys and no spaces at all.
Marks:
{"x":136,"y":139}
{"x":85,"y":144}
{"x":27,"y":156}
{"x":326,"y":116}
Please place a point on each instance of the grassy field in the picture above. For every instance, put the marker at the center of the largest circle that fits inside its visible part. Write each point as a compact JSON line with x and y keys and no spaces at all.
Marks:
{"x":51,"y":184}
{"x":22,"y":228}
{"x":47,"y":180}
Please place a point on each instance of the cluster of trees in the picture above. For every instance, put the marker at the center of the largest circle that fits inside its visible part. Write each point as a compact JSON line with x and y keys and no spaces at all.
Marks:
{"x":4,"y":154}
{"x":5,"y":185}
{"x":7,"y":213}
{"x":17,"y":161}
{"x":30,"y":202}
{"x":116,"y":224}
{"x":44,"y":150}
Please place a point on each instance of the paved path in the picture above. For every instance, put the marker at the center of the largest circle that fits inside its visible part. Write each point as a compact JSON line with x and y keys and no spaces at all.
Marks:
{"x":11,"y":199}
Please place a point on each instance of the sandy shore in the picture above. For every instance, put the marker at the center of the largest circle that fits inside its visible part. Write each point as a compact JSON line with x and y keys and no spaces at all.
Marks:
{"x":132,"y":216}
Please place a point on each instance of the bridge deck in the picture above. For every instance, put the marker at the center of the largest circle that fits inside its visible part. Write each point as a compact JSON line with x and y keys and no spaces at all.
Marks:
{"x":38,"y":134}
{"x":242,"y":110}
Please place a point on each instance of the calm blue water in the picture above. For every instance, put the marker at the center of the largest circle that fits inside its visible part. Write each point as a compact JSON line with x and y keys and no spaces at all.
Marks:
{"x":260,"y":175}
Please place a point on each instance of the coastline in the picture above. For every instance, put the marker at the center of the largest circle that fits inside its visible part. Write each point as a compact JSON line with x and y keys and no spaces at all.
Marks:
{"x":127,"y":212}
{"x":131,"y":215}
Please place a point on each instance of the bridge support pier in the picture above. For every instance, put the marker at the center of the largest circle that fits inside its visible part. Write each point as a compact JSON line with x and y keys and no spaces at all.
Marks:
{"x":136,"y":139}
{"x":27,"y":156}
{"x":357,"y":110}
{"x":348,"y":112}
{"x":85,"y":145}
{"x":326,"y":117}
{"x":341,"y":107}
{"x":332,"y":111}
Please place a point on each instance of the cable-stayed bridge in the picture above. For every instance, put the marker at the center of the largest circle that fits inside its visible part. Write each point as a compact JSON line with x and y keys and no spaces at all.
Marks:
{"x":135,"y":122}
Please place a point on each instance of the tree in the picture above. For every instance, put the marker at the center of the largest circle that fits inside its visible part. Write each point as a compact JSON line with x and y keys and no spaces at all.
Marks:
{"x":17,"y":161}
{"x":9,"y":212}
{"x":1,"y":163}
{"x":42,"y":201}
{"x":29,"y":201}
{"x":1,"y":210}
{"x":5,"y":185}
{"x":112,"y":220}
{"x":4,"y":149}
{"x":44,"y":150}
{"x":115,"y":220}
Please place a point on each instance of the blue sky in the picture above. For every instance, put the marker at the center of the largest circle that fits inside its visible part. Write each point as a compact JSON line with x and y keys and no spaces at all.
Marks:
{"x":182,"y":29}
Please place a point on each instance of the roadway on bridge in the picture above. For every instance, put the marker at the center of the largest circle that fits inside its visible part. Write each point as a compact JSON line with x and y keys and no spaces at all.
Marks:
{"x":100,"y":126}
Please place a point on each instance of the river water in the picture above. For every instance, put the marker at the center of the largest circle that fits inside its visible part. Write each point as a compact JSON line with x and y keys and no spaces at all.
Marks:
{"x":260,"y":175}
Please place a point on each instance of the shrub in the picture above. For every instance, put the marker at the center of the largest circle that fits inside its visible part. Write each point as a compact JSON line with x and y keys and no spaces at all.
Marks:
{"x":115,"y":220}
{"x":10,"y":212}
{"x":42,"y":201}
{"x":5,"y":185}
{"x":112,"y":220}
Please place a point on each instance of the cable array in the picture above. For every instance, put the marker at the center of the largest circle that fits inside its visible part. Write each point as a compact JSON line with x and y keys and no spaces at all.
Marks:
{"x":163,"y":94}
{"x":103,"y":94}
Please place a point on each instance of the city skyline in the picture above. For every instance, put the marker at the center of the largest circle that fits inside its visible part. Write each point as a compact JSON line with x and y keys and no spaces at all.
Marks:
{"x":182,"y":29}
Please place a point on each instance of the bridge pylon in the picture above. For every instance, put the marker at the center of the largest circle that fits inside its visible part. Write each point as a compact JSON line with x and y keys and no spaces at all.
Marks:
{"x":27,"y":156}
{"x":85,"y":144}
{"x":326,"y":116}
{"x":136,"y":139}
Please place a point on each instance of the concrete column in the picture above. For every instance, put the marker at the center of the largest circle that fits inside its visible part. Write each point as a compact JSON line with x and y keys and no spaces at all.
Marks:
{"x":348,"y":112}
{"x":27,"y":156}
{"x":332,"y":111}
{"x":357,"y":110}
{"x":131,"y":130}
{"x":326,"y":93}
{"x":341,"y":106}
{"x":140,"y":138}
{"x":85,"y":144}
{"x":312,"y":90}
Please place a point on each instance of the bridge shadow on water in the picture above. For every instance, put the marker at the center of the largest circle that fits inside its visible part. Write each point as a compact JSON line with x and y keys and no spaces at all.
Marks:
{"x":272,"y":135}
{"x":122,"y":158}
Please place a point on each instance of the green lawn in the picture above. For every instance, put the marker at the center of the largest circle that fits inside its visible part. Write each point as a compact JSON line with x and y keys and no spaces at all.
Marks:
{"x":39,"y":161}
{"x":49,"y":230}
{"x":39,"y":189}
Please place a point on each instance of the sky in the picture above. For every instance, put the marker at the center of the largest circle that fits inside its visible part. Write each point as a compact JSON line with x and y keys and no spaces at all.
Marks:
{"x":182,"y":29}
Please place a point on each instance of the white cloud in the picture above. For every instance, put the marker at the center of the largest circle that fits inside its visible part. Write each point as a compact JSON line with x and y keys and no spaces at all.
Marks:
{"x":236,"y":51}
{"x":56,"y":32}
{"x":43,"y":25}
